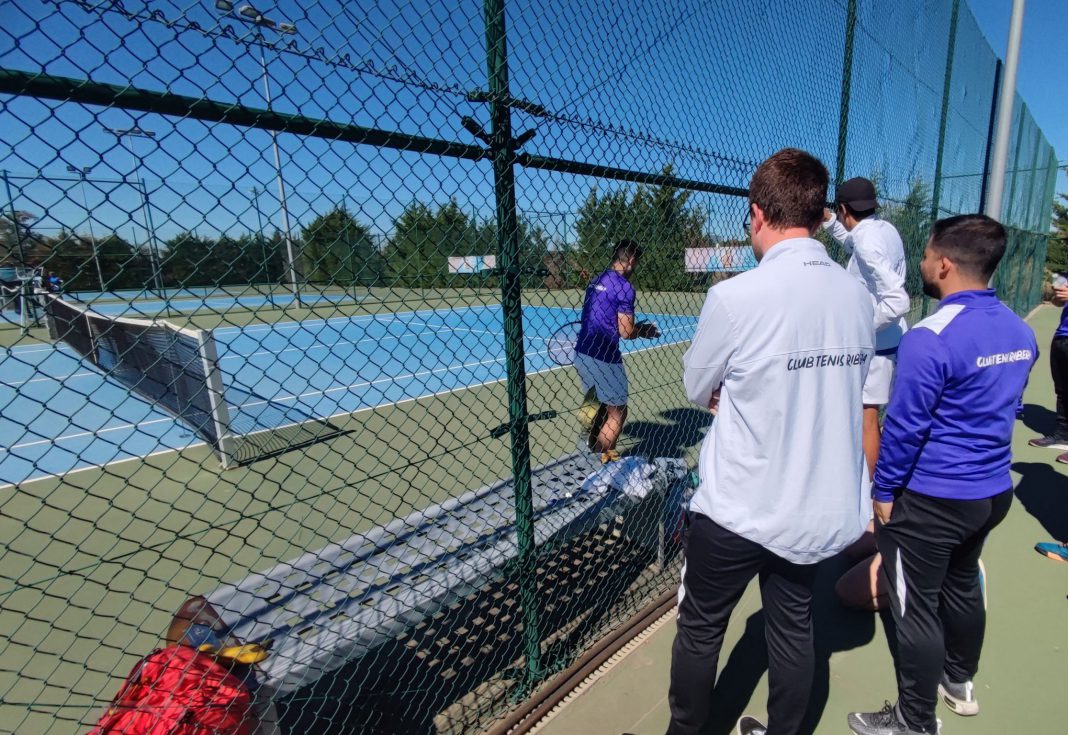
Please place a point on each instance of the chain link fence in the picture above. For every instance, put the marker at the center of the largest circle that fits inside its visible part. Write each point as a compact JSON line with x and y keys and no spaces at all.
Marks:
{"x":279,"y":281}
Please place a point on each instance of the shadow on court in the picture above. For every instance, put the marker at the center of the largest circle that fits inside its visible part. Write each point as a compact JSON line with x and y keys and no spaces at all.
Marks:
{"x":1039,"y":419}
{"x":685,"y":429}
{"x":1043,"y":492}
{"x":835,"y":628}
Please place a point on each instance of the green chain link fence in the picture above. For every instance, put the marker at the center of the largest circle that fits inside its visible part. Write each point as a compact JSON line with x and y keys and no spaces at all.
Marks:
{"x":310,"y":255}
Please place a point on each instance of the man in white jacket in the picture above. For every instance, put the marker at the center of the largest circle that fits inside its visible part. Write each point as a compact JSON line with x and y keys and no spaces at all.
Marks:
{"x":877,"y":261}
{"x":781,"y":354}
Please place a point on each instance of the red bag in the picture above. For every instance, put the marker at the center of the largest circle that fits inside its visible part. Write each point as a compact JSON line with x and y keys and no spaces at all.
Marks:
{"x":179,"y":691}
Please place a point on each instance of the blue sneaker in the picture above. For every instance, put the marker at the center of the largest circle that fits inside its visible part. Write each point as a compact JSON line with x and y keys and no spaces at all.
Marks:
{"x":1055,"y":551}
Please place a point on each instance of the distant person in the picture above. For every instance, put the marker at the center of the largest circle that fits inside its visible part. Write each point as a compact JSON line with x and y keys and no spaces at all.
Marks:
{"x":877,"y":261}
{"x":55,"y":283}
{"x":607,"y":317}
{"x":942,"y":482}
{"x":780,"y":354}
{"x":1058,"y":364}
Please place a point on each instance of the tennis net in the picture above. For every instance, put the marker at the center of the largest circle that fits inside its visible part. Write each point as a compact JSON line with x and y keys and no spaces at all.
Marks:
{"x":177,"y":369}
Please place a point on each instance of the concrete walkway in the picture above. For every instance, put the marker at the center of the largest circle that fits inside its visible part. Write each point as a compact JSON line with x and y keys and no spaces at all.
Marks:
{"x":1026,"y":652}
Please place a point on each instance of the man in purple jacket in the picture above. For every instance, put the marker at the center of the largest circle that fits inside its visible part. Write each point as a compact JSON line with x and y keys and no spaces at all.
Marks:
{"x":942,"y":481}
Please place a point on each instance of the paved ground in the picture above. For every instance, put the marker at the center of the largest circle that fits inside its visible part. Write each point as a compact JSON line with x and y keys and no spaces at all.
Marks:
{"x":1025,"y":655}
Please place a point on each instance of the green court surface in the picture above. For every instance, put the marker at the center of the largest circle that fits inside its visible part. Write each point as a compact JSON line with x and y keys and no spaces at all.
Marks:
{"x":96,"y":562}
{"x":1024,"y":659}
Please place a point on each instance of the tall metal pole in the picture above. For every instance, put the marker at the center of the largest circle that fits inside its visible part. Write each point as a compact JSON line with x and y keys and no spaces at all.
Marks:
{"x":512,"y":306}
{"x":294,"y":284}
{"x":1005,"y":108}
{"x":89,"y":220}
{"x":936,"y":192}
{"x":847,"y":82}
{"x":263,"y":246}
{"x":23,"y":300}
{"x":14,"y":219}
{"x":984,"y":186}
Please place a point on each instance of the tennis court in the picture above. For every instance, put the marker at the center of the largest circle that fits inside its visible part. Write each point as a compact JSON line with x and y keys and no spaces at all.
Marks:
{"x":60,"y":414}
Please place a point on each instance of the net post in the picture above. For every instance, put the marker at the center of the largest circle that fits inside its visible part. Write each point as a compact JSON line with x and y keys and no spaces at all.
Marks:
{"x":220,"y":414}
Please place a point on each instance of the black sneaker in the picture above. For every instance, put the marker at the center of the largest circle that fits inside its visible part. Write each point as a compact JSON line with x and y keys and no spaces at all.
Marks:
{"x":1049,"y":442}
{"x":959,"y":697}
{"x":884,"y":722}
{"x":751,"y":726}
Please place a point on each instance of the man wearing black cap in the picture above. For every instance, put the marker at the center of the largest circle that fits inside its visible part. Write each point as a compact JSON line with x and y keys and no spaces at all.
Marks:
{"x":877,"y":260}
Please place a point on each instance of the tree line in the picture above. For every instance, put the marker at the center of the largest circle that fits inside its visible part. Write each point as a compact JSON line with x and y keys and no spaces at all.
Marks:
{"x":336,"y":249}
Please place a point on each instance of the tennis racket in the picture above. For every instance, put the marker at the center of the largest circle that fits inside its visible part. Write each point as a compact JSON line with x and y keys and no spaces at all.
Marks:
{"x":561,"y":345}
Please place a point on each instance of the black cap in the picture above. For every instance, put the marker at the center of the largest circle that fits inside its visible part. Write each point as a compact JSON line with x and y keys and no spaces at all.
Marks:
{"x":858,"y":193}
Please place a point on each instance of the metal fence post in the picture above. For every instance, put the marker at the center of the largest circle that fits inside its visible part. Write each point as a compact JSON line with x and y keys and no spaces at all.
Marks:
{"x":511,"y":302}
{"x":847,"y":81}
{"x":990,"y":136}
{"x":936,"y":191}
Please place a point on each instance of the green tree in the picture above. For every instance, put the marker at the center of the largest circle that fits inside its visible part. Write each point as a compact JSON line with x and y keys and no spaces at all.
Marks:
{"x":423,"y":240}
{"x":1057,"y":254}
{"x":658,"y":217}
{"x":337,"y":249}
{"x":189,"y":259}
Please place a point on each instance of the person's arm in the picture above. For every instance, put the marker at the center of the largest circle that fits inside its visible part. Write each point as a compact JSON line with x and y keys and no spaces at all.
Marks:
{"x":922,"y":371}
{"x":705,"y":362}
{"x":891,"y":299}
{"x":628,"y":329}
{"x":837,"y":230}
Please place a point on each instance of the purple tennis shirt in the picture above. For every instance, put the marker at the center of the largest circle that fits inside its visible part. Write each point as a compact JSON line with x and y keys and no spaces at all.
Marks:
{"x":607,"y":296}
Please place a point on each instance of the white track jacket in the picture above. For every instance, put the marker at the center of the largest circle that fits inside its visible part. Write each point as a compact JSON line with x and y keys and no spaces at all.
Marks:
{"x":877,"y":260}
{"x":788,"y":344}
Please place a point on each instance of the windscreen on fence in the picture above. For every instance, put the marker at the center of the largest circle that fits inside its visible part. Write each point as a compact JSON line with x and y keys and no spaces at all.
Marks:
{"x":308,"y":268}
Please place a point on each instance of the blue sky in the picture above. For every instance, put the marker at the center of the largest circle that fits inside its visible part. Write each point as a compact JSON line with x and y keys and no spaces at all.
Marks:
{"x":710,"y":88}
{"x":1043,"y":61}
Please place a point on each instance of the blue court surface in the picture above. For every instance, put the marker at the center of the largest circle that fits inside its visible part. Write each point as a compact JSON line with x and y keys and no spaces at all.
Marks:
{"x":59,"y":413}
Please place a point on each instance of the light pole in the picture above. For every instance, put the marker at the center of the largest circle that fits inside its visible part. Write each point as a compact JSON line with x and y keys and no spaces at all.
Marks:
{"x":263,"y":247}
{"x":252,"y":16}
{"x":82,"y":172}
{"x":153,"y":252}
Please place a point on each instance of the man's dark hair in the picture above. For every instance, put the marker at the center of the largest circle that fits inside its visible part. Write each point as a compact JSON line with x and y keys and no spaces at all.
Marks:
{"x":857,"y":214}
{"x":974,"y":243}
{"x":791,"y":189}
{"x":625,"y":250}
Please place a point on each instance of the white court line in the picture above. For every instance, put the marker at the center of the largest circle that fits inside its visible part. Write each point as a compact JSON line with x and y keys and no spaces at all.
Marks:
{"x":83,"y":434}
{"x":357,"y":412}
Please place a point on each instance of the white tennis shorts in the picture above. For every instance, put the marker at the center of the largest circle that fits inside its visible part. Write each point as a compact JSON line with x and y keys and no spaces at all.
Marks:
{"x":880,"y":380}
{"x":608,"y":378}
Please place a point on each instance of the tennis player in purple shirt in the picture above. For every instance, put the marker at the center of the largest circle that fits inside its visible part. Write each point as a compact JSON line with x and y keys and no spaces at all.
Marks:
{"x":607,"y":317}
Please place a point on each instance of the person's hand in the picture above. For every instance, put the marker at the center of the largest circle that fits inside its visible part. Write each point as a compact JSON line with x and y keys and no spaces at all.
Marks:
{"x":713,"y":402}
{"x":827,"y":214}
{"x":648,"y":330}
{"x":883,"y":510}
{"x":1060,"y":296}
